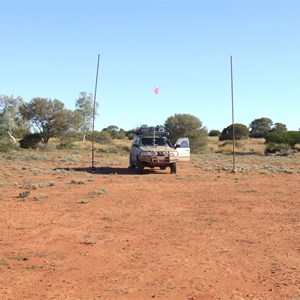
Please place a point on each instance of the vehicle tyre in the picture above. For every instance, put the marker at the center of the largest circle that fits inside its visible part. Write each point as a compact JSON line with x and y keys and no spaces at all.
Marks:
{"x":139,"y":166}
{"x":173,"y":168}
{"x":131,"y":164}
{"x":163,"y":167}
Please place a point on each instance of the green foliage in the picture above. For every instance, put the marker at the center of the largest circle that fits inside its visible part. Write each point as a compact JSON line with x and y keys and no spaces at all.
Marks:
{"x":50,"y":117}
{"x":85,"y":106}
{"x":290,"y":138}
{"x":279,"y":127}
{"x":186,"y":125}
{"x":260,"y":127}
{"x":121,"y":134}
{"x":11,"y":119}
{"x":130,"y":134}
{"x":31,"y":141}
{"x":240,"y":132}
{"x":226,"y":143}
{"x":115,"y":132}
{"x":67,"y":145}
{"x":7,"y":145}
{"x":102,"y":137}
{"x":214,"y":133}
{"x":272,"y":148}
{"x":71,"y":136}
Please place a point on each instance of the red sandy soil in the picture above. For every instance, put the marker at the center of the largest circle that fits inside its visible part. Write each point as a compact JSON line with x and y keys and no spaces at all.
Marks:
{"x":203,"y":233}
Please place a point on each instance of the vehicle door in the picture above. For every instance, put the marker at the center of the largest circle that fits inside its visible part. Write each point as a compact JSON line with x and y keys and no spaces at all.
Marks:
{"x":182,"y":146}
{"x":134,"y":151}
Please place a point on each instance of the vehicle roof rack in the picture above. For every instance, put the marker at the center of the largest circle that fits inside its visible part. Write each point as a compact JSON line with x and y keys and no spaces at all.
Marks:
{"x":149,"y":130}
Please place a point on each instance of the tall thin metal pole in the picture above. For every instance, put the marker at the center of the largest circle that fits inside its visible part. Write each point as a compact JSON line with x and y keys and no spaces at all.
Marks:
{"x":232,"y":113}
{"x":94,"y":113}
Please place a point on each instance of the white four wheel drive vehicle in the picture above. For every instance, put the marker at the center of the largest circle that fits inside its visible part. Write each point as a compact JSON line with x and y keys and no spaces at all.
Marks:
{"x":151,"y":148}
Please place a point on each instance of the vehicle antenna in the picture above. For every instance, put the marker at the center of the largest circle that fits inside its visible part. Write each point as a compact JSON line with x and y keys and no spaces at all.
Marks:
{"x":156,"y":92}
{"x":232,"y":113}
{"x":94,"y":113}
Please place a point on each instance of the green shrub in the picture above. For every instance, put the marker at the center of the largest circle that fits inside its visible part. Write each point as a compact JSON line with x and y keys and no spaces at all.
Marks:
{"x":273,"y":148}
{"x":7,"y":145}
{"x":214,"y":133}
{"x":123,"y":148}
{"x":237,"y":144}
{"x":31,"y":141}
{"x":47,"y":147}
{"x":70,"y":137}
{"x":102,"y":137}
{"x":240,"y":132}
{"x":67,"y":146}
{"x":290,"y":138}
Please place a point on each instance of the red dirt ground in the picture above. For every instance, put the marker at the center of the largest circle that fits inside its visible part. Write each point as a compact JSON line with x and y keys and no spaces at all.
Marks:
{"x":204,"y":233}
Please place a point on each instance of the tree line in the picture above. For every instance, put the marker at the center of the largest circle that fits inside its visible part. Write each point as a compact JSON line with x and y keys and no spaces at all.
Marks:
{"x":41,"y":119}
{"x":275,"y":133}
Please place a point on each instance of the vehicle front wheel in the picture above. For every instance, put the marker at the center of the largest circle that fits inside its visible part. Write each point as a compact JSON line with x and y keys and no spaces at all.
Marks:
{"x":173,"y":168}
{"x":139,"y":165}
{"x":131,"y":164}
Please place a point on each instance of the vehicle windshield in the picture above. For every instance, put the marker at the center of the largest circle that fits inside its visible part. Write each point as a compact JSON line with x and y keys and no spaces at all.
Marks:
{"x":149,"y":142}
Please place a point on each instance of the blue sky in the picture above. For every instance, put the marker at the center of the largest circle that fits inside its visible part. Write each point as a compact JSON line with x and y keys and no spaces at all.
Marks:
{"x":49,"y":49}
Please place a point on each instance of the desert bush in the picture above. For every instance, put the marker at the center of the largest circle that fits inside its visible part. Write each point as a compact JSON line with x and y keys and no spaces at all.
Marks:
{"x":115,"y":149}
{"x":95,"y":193}
{"x":273,"y":148}
{"x":33,"y":156}
{"x":31,"y":141}
{"x":78,"y":181}
{"x":123,"y":148}
{"x":89,"y":241}
{"x":39,"y":197}
{"x":290,"y":138}
{"x":67,"y":145}
{"x":102,"y":137}
{"x":71,"y":136}
{"x":46,"y":147}
{"x":214,"y":133}
{"x":7,"y":145}
{"x":130,"y":134}
{"x":240,"y":132}
{"x":84,"y":201}
{"x":237,"y":144}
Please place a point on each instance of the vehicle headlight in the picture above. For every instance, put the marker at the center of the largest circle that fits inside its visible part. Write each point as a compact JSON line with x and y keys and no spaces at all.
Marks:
{"x":174,"y":153}
{"x":146,"y":153}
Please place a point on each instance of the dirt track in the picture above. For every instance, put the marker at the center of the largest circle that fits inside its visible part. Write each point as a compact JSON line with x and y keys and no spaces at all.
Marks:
{"x":204,"y":233}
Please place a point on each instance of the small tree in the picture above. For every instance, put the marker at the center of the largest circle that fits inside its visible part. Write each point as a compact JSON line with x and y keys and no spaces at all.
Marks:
{"x":214,"y":133}
{"x":49,"y":117}
{"x":115,"y":132}
{"x":240,"y":132}
{"x":260,"y":127}
{"x":85,"y":106}
{"x":279,"y":127}
{"x":11,"y":119}
{"x":112,"y":130}
{"x":186,"y":125}
{"x":121,"y":134}
{"x":130,"y":134}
